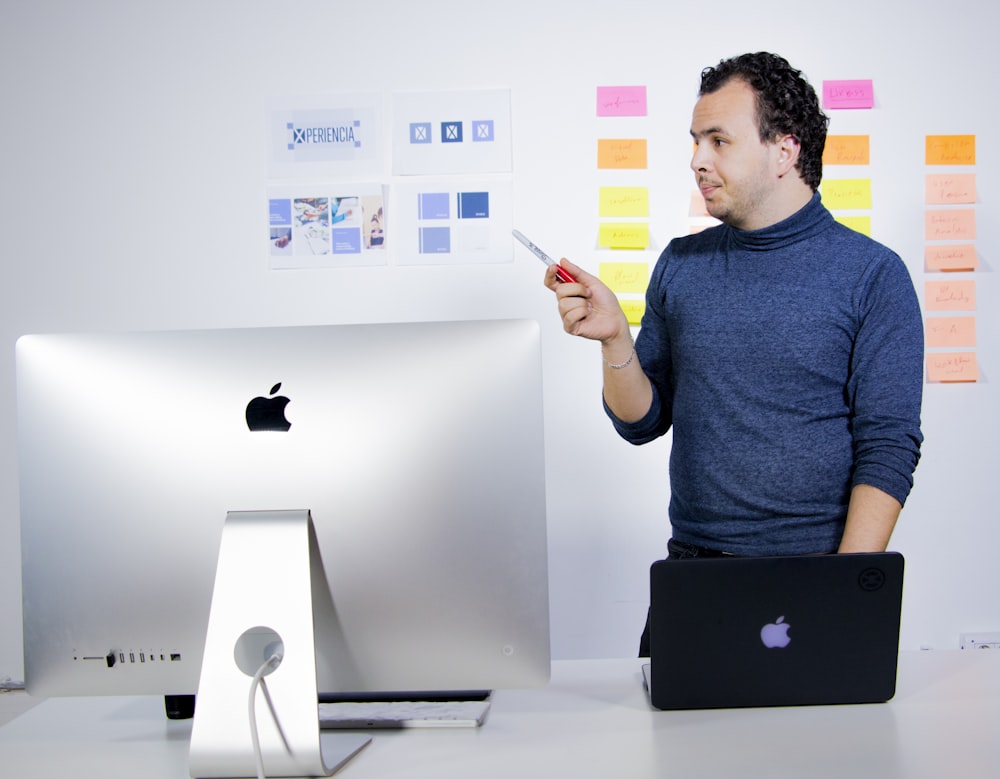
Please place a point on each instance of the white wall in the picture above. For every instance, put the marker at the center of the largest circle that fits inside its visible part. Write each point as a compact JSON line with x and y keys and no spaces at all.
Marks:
{"x":132,"y":173}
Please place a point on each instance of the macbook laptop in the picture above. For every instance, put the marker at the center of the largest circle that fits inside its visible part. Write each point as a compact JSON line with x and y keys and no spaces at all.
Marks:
{"x":774,"y":631}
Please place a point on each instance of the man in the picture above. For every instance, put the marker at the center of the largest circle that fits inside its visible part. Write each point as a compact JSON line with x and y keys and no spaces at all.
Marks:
{"x":783,"y":349}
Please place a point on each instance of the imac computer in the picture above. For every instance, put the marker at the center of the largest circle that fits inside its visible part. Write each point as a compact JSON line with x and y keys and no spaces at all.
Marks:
{"x":410,"y":458}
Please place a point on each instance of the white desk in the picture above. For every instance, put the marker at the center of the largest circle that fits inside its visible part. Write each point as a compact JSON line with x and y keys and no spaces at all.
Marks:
{"x":591,"y":721}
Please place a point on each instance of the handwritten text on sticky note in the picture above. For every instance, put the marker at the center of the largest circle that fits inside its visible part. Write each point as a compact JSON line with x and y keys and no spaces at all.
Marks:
{"x":948,"y":332}
{"x":625,"y":276}
{"x":952,"y":366}
{"x":952,"y":224}
{"x":951,"y":257}
{"x":946,"y":295}
{"x":950,"y":150}
{"x":624,"y":201}
{"x":847,"y":194}
{"x":624,"y":153}
{"x":848,"y":94}
{"x":623,"y":235}
{"x":846,"y":150}
{"x":621,"y":101}
{"x":942,"y":189}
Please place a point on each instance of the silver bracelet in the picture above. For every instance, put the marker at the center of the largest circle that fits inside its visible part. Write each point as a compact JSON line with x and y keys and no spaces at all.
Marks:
{"x":620,"y":365}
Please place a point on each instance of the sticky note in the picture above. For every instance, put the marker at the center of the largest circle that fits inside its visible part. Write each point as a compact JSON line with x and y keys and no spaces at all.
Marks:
{"x":846,"y":194}
{"x":846,"y":150}
{"x":623,"y":235}
{"x":951,"y":257}
{"x":947,"y":295}
{"x":952,"y":366}
{"x":624,"y":201}
{"x":623,"y":153}
{"x":621,"y":101}
{"x":860,"y":224}
{"x":698,"y":207}
{"x":634,"y":309}
{"x":858,"y":93}
{"x":625,"y":276}
{"x":950,"y":150}
{"x":952,"y":224}
{"x":948,"y":332}
{"x":943,"y":189}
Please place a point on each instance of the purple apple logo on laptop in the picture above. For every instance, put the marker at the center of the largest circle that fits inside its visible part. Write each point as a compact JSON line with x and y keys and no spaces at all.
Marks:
{"x":774,"y":635}
{"x":268,"y":413}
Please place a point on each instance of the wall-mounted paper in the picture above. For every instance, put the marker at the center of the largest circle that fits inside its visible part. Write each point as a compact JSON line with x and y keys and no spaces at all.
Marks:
{"x":846,"y":194}
{"x":952,"y":366}
{"x":950,"y":150}
{"x":947,"y":295}
{"x":948,"y":332}
{"x":857,"y":93}
{"x":943,"y":189}
{"x":953,"y":257}
{"x":624,"y":201}
{"x":860,"y":224}
{"x":623,"y":235}
{"x":846,"y":150}
{"x":958,"y":224}
{"x":621,"y":101}
{"x":624,"y":153}
{"x":625,"y":277}
{"x":634,"y":309}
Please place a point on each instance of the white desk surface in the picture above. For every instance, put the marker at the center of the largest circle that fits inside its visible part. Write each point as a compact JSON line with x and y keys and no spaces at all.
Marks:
{"x":592,"y":720}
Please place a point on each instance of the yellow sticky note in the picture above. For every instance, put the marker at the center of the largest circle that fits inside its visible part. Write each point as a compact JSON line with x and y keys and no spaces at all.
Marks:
{"x":626,"y":153}
{"x":623,"y":235}
{"x":950,"y":224}
{"x":952,"y":366}
{"x":948,"y":332}
{"x":846,"y":150}
{"x":634,"y":309}
{"x":947,"y":295}
{"x":624,"y":201}
{"x":951,"y":257}
{"x":950,"y":150}
{"x":846,"y":194}
{"x":625,"y":276}
{"x":943,"y":189}
{"x":860,"y":224}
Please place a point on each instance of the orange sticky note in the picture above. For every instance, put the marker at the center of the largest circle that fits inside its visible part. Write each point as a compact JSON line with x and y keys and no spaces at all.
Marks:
{"x":944,"y":189}
{"x":948,"y":332}
{"x":950,"y":150}
{"x":952,"y":366}
{"x":625,"y":153}
{"x":947,"y":295}
{"x":952,"y":224}
{"x":951,"y":257}
{"x":846,"y":150}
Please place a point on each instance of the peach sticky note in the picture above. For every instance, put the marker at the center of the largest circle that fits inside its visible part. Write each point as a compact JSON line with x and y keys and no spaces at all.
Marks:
{"x":846,"y":194}
{"x":952,"y":366}
{"x":621,"y":101}
{"x":949,"y":332}
{"x":951,"y":150}
{"x":624,"y":201}
{"x":626,"y":153}
{"x":951,"y":257}
{"x":943,"y":189}
{"x":846,"y":150}
{"x":623,"y":235}
{"x":858,"y":93}
{"x":947,"y":295}
{"x":625,"y":276}
{"x":697,"y":207}
{"x":950,"y":224}
{"x":634,"y":309}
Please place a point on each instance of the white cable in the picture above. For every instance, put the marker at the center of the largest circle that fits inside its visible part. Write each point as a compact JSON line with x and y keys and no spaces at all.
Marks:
{"x":258,"y":681}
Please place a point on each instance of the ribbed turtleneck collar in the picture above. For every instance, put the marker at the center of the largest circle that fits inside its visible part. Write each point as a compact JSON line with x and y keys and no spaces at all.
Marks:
{"x":809,"y":220}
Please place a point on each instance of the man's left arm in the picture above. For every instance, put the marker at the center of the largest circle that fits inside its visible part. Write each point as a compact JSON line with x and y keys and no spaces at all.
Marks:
{"x":871,"y":518}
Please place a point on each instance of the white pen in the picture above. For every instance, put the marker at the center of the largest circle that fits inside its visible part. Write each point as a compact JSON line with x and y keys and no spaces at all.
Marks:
{"x":560,"y":271}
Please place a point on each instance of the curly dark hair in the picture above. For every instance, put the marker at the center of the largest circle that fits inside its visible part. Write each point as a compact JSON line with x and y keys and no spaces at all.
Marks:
{"x":786,"y":105}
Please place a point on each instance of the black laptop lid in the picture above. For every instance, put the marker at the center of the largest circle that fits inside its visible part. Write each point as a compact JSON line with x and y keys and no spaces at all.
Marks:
{"x":774,"y":631}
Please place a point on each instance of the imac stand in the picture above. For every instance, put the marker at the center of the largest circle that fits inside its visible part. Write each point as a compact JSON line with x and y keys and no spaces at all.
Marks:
{"x":261,"y":628}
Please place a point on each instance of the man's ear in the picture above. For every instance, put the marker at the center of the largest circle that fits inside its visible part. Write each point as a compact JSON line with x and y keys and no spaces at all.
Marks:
{"x":787,"y":154}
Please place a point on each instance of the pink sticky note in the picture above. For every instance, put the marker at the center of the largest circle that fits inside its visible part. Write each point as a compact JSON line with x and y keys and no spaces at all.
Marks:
{"x":621,"y":101}
{"x":848,"y":94}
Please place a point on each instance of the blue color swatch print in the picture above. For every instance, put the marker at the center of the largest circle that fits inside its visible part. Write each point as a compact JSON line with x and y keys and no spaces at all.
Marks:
{"x":433,"y":205}
{"x":473,"y":205}
{"x":435,"y":240}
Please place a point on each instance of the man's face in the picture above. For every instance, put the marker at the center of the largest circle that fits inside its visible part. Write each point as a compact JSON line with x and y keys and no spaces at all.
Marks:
{"x":735,"y":171}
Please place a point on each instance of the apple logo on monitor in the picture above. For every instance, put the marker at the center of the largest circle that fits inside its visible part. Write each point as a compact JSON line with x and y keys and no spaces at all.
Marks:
{"x":775,"y":634}
{"x":268,"y":413}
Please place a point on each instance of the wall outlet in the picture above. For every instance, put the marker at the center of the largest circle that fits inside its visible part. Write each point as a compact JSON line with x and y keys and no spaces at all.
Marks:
{"x":980,"y":641}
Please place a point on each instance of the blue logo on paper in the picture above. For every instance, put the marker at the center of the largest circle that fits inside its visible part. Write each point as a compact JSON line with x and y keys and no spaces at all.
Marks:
{"x":420,"y":132}
{"x":451,"y":132}
{"x":482,"y":131}
{"x":336,"y":135}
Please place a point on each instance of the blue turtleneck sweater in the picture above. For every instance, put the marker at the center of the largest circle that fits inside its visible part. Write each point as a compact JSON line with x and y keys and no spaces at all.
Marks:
{"x":788,"y":362}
